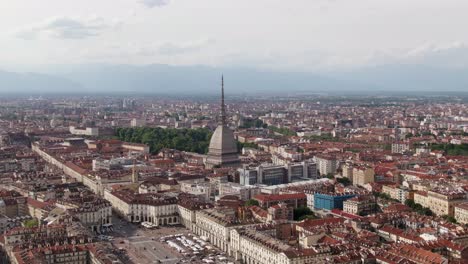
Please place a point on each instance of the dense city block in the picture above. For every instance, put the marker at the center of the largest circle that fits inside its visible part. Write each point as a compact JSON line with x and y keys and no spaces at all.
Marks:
{"x":265,"y":180}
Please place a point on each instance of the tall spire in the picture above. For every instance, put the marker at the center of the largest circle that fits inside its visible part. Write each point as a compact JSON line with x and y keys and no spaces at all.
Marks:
{"x":223,"y":107}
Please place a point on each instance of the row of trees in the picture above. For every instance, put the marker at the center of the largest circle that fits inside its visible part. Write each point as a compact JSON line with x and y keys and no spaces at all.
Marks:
{"x":31,"y":223}
{"x":193,"y":140}
{"x":345,"y":181}
{"x":283,"y":131}
{"x":451,"y":149}
{"x":241,"y":145}
{"x":418,"y":208}
{"x":302,"y":213}
{"x":251,"y":122}
{"x":323,"y":137}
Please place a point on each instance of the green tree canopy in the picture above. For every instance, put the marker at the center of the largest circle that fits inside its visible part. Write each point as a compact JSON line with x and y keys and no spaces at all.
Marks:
{"x":192,"y":140}
{"x":302,"y":213}
{"x":251,"y":202}
{"x":31,"y":223}
{"x":345,"y":181}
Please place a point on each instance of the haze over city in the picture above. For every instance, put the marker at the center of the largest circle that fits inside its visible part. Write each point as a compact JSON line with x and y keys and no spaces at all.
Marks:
{"x":142,"y":45}
{"x":233,"y":132}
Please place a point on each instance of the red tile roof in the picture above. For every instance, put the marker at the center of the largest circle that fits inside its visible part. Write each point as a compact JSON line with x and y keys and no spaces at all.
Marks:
{"x":279,"y":197}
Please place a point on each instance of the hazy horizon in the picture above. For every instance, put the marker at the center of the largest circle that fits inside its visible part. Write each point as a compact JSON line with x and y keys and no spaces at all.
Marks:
{"x":302,"y":45}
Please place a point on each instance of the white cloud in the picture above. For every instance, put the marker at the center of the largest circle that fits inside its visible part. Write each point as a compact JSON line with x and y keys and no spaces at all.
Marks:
{"x":166,"y":52}
{"x":450,"y":54}
{"x":430,"y":48}
{"x":307,"y":35}
{"x":172,"y":48}
{"x":154,"y":3}
{"x":66,"y":28}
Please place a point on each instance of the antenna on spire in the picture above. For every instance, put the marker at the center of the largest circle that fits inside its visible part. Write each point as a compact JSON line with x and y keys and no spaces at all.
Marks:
{"x":223,"y":110}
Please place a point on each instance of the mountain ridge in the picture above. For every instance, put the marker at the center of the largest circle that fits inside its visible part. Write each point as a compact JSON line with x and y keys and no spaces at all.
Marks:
{"x":199,"y":79}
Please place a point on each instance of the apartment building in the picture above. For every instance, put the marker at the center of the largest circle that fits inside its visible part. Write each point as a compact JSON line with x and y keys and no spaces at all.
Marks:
{"x":440,"y":201}
{"x":326,"y":164}
{"x":461,"y":213}
{"x":274,"y":174}
{"x":360,"y":205}
{"x":149,"y":207}
{"x":399,"y":193}
{"x":362,"y":175}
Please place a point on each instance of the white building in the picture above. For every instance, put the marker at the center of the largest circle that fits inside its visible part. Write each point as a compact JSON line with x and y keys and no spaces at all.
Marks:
{"x":244,"y":192}
{"x":250,"y":246}
{"x":203,"y":189}
{"x":400,"y":147}
{"x":137,"y":122}
{"x":150,"y":207}
{"x":84,"y":131}
{"x":215,"y":225}
{"x":326,"y":164}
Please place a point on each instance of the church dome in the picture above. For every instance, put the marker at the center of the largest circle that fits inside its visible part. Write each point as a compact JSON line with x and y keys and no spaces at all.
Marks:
{"x":222,"y":141}
{"x":223,"y":146}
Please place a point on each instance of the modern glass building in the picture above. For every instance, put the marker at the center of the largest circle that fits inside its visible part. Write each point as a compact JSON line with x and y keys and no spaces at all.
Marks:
{"x":330,"y":201}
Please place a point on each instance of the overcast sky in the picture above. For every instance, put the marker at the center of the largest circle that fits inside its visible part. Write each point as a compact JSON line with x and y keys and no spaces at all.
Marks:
{"x":280,"y":34}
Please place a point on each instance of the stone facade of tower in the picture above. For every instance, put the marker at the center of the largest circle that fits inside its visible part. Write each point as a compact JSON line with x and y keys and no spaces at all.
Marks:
{"x":222,"y":151}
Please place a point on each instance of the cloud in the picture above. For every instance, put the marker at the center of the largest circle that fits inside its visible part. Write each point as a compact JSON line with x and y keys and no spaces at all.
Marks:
{"x":66,"y":28}
{"x":171,"y":48}
{"x":430,"y":48}
{"x":165,"y":52}
{"x":154,"y":3}
{"x":451,"y":54}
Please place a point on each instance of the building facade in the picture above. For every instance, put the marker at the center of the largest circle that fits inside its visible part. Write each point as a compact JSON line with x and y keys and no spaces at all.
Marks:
{"x":222,"y":151}
{"x":330,"y":201}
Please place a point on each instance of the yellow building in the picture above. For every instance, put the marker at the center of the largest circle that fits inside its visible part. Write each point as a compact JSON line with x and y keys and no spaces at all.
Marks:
{"x":461,"y":213}
{"x":363,"y":175}
{"x":441,"y":202}
{"x":347,"y":171}
{"x":398,"y":193}
{"x":421,"y":198}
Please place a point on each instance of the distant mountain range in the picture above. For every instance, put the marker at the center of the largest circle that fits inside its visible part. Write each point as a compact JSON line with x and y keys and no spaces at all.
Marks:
{"x":25,"y":83}
{"x":192,"y":80}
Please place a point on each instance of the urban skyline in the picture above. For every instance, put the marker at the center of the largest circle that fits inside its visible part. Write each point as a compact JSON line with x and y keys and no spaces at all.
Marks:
{"x":233,"y":132}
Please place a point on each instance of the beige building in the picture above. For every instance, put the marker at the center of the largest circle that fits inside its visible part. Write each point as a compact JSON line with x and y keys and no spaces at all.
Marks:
{"x":215,"y":225}
{"x":362,"y":176}
{"x":421,"y":197}
{"x":93,"y":212}
{"x":347,"y":171}
{"x":250,"y":246}
{"x":399,"y":193}
{"x":149,"y":207}
{"x":240,"y":239}
{"x":187,"y":207}
{"x":441,"y":202}
{"x":359,"y":205}
{"x":326,"y":164}
{"x":461,"y":213}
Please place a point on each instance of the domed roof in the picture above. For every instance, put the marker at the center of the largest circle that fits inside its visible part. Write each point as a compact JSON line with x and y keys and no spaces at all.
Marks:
{"x":222,"y":141}
{"x":223,"y":146}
